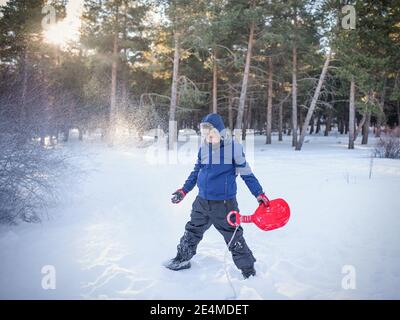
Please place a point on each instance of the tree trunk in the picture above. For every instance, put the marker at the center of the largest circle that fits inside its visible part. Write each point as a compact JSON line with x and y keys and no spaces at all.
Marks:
{"x":269,"y":103}
{"x":301,"y":119}
{"x":360,"y":125}
{"x":174,"y":93}
{"x":312,"y":125}
{"x":365,"y":129}
{"x":280,"y":125}
{"x":340,"y":126}
{"x":66,"y":134}
{"x":313,"y":102}
{"x":242,"y":99}
{"x":23,"y":113}
{"x":113,"y":96}
{"x":230,"y":109}
{"x":45,"y":123}
{"x":352,"y":113}
{"x":318,"y":129}
{"x":249,"y":115}
{"x":124,"y":83}
{"x":124,"y":91}
{"x":215,"y":83}
{"x":398,"y":113}
{"x":247,"y":118}
{"x":381,"y":117}
{"x":246,"y":110}
{"x":294,"y":98}
{"x":328,"y":123}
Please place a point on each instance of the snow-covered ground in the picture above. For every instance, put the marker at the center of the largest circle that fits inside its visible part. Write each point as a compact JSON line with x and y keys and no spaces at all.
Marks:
{"x":113,"y":229}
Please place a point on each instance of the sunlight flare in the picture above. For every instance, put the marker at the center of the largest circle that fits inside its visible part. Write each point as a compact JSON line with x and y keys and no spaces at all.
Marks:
{"x":68,"y":29}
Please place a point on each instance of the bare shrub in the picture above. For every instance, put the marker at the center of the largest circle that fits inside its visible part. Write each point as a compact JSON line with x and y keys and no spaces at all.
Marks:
{"x":388,"y":146}
{"x":29,"y":174}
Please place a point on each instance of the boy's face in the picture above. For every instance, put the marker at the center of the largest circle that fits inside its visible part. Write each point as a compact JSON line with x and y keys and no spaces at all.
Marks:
{"x":210,"y":134}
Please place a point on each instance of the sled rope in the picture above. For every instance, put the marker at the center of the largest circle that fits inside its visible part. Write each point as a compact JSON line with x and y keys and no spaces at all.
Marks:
{"x":225,"y":265}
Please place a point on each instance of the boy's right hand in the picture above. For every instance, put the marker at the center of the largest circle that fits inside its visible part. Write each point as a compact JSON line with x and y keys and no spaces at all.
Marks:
{"x":178,"y":196}
{"x":262,"y":198}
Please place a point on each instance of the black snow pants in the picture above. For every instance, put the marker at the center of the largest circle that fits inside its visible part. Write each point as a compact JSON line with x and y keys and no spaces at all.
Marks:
{"x":213,"y":212}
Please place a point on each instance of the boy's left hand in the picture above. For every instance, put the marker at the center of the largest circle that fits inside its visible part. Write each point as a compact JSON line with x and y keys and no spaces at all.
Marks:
{"x":178,"y":196}
{"x":262,"y":198}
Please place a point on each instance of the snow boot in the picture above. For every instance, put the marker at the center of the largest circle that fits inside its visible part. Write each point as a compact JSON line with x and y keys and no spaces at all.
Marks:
{"x":178,"y":263}
{"x":248,"y":272}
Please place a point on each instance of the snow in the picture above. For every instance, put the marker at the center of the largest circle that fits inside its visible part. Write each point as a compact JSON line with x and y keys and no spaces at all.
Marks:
{"x":113,"y":229}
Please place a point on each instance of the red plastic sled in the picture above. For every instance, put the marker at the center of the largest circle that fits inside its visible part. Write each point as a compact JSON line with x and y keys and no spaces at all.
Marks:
{"x":276,"y":215}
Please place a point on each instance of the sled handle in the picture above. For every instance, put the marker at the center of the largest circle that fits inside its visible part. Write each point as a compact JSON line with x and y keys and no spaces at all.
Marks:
{"x":237,"y":218}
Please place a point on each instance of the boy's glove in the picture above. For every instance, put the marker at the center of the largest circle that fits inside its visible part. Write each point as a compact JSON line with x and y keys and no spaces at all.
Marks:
{"x":178,"y":196}
{"x":262,"y":198}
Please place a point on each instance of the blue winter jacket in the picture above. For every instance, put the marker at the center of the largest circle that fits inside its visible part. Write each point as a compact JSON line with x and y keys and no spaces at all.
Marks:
{"x":217,"y":167}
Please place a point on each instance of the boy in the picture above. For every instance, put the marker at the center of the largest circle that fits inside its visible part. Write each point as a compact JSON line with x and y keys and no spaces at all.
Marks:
{"x":219,"y":161}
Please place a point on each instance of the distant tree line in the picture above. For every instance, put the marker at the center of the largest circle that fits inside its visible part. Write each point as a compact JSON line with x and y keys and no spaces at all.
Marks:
{"x":139,"y":64}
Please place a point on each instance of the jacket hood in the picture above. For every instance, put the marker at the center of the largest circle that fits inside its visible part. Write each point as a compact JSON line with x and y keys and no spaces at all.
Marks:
{"x":216,"y":120}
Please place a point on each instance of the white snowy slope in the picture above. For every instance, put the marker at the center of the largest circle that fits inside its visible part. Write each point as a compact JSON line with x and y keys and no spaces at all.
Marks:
{"x":111,"y":231}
